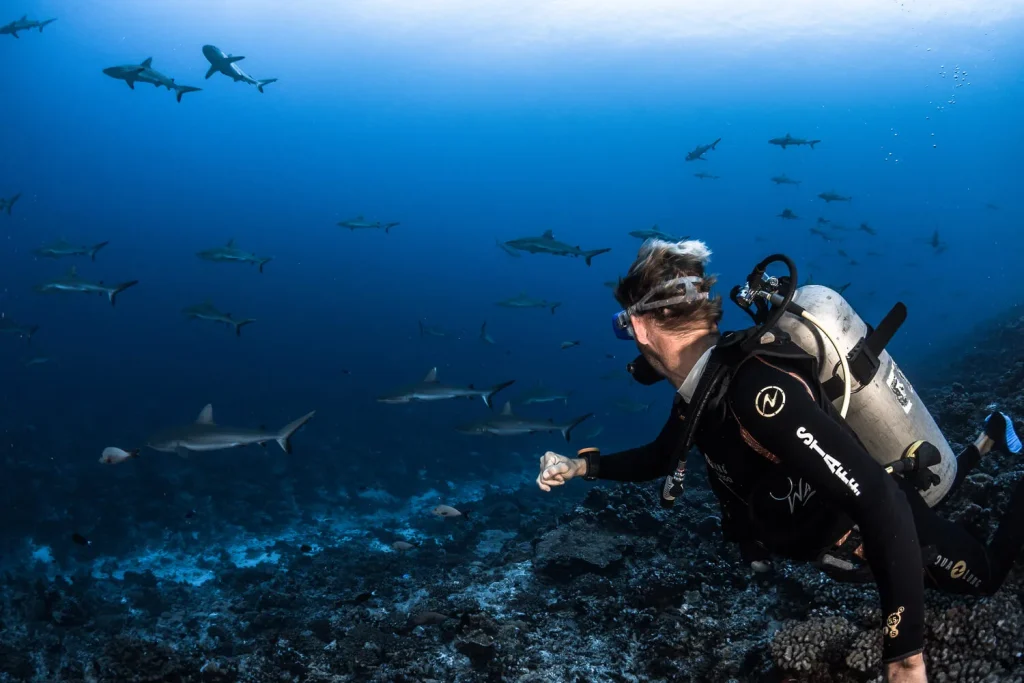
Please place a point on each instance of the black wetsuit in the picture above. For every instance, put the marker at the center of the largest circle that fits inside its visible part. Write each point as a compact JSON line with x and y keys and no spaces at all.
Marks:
{"x":792,"y":479}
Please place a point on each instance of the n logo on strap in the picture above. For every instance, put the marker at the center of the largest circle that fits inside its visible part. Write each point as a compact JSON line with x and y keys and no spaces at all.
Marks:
{"x":770,"y":401}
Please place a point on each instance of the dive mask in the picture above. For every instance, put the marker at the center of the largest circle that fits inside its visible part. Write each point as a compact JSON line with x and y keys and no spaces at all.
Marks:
{"x":621,"y":325}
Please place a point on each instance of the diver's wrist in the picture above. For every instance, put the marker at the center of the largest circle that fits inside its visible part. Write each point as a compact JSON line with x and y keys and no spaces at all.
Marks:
{"x":580,"y":467}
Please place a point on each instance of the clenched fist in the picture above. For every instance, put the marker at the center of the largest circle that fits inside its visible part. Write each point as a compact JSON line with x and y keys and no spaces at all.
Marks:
{"x":557,"y":469}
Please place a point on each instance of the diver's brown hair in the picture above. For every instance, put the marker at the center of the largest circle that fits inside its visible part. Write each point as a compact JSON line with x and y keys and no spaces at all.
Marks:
{"x":659,"y":262}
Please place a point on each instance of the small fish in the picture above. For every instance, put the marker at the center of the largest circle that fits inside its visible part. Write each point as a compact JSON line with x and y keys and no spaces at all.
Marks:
{"x":570,"y":344}
{"x":80,"y":539}
{"x":115,"y":456}
{"x":428,"y":619}
{"x":402,"y":546}
{"x":446,"y":511}
{"x":843,"y":254}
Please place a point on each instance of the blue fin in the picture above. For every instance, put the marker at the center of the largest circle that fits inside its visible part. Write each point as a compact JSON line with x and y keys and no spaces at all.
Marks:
{"x":999,"y":428}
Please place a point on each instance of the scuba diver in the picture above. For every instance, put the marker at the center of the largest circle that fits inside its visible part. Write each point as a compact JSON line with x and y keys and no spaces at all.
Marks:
{"x":851,"y":489}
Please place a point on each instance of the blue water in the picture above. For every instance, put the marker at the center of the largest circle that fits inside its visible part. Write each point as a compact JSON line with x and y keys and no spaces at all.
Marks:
{"x":467,"y":127}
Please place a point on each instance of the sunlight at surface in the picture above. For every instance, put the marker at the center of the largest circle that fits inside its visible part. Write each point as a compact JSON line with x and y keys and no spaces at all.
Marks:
{"x":502,"y":25}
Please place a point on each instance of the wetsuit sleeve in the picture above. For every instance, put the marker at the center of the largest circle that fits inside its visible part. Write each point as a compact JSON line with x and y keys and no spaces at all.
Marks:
{"x":780,"y":418}
{"x":645,"y":462}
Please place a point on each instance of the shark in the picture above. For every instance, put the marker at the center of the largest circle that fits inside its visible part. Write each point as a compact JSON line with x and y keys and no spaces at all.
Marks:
{"x":8,"y":204}
{"x":508,"y":423}
{"x":655,"y":233}
{"x":205,"y":435}
{"x":359,"y":223}
{"x":547,"y":244}
{"x":431,"y":330}
{"x":787,"y":213}
{"x":15,"y":329}
{"x":788,"y":140}
{"x":228,"y":65}
{"x":542,"y":394}
{"x":24,"y":24}
{"x":706,"y":176}
{"x":521,"y":300}
{"x":145,"y":73}
{"x":700,"y":150}
{"x":864,"y":227}
{"x":507,"y":249}
{"x":430,"y":389}
{"x":784,"y":180}
{"x":64,"y":248}
{"x":485,"y":336}
{"x":230,"y":253}
{"x":833,"y":197}
{"x":207,"y":311}
{"x":73,"y":283}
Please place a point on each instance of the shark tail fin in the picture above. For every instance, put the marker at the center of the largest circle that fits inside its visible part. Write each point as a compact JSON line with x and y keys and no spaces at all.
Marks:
{"x":596,"y":252}
{"x":239,"y":324}
{"x":388,"y":226}
{"x":813,"y":143}
{"x":95,"y":248}
{"x":182,"y":89}
{"x":554,"y":306}
{"x":567,"y":430}
{"x":284,"y":436}
{"x":11,"y":201}
{"x":489,"y":396}
{"x":265,"y":81}
{"x":112,"y":294}
{"x":715,"y":143}
{"x":264,"y":262}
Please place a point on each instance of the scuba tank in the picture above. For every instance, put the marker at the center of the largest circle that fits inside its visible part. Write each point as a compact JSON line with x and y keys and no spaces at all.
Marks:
{"x":878,"y":402}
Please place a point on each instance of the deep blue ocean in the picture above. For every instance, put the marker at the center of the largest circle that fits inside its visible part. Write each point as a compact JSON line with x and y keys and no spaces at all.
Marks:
{"x":468,"y":123}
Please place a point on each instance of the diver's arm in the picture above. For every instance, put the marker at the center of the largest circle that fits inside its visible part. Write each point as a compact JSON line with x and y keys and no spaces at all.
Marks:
{"x":780,"y":418}
{"x":645,"y":462}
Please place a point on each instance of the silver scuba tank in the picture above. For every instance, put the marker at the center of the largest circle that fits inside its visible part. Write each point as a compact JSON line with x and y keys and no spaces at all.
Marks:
{"x":885,"y":412}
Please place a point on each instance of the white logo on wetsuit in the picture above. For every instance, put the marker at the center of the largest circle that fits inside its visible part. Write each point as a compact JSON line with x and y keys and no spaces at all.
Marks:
{"x":833,"y":464}
{"x":770,"y":401}
{"x":800,"y":492}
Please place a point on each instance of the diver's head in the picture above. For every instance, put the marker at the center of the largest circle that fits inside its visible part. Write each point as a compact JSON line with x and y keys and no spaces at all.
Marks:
{"x":667,"y":305}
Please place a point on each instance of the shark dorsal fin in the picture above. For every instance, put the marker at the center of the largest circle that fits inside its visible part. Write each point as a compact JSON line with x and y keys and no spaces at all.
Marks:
{"x":73,"y":270}
{"x":431,"y":377}
{"x":206,"y":415}
{"x":360,"y":217}
{"x":506,"y":409}
{"x":549,"y":234}
{"x":147,"y":62}
{"x":231,"y":242}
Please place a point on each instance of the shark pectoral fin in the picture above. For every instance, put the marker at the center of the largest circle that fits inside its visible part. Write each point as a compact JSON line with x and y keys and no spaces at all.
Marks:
{"x":231,"y":59}
{"x":181,"y":452}
{"x":130,"y":82}
{"x":205,"y":415}
{"x":212,"y":70}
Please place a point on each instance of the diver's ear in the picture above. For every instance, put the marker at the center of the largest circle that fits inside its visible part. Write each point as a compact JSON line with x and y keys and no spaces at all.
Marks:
{"x":640,"y":330}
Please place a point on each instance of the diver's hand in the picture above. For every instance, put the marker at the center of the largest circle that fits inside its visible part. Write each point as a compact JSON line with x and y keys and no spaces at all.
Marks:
{"x":909,"y":670}
{"x":557,"y":469}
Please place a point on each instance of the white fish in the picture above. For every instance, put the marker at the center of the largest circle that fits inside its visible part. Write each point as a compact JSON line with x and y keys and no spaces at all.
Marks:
{"x":116,"y":456}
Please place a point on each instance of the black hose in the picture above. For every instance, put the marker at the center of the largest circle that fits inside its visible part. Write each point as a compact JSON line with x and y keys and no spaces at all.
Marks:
{"x":755,"y":279}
